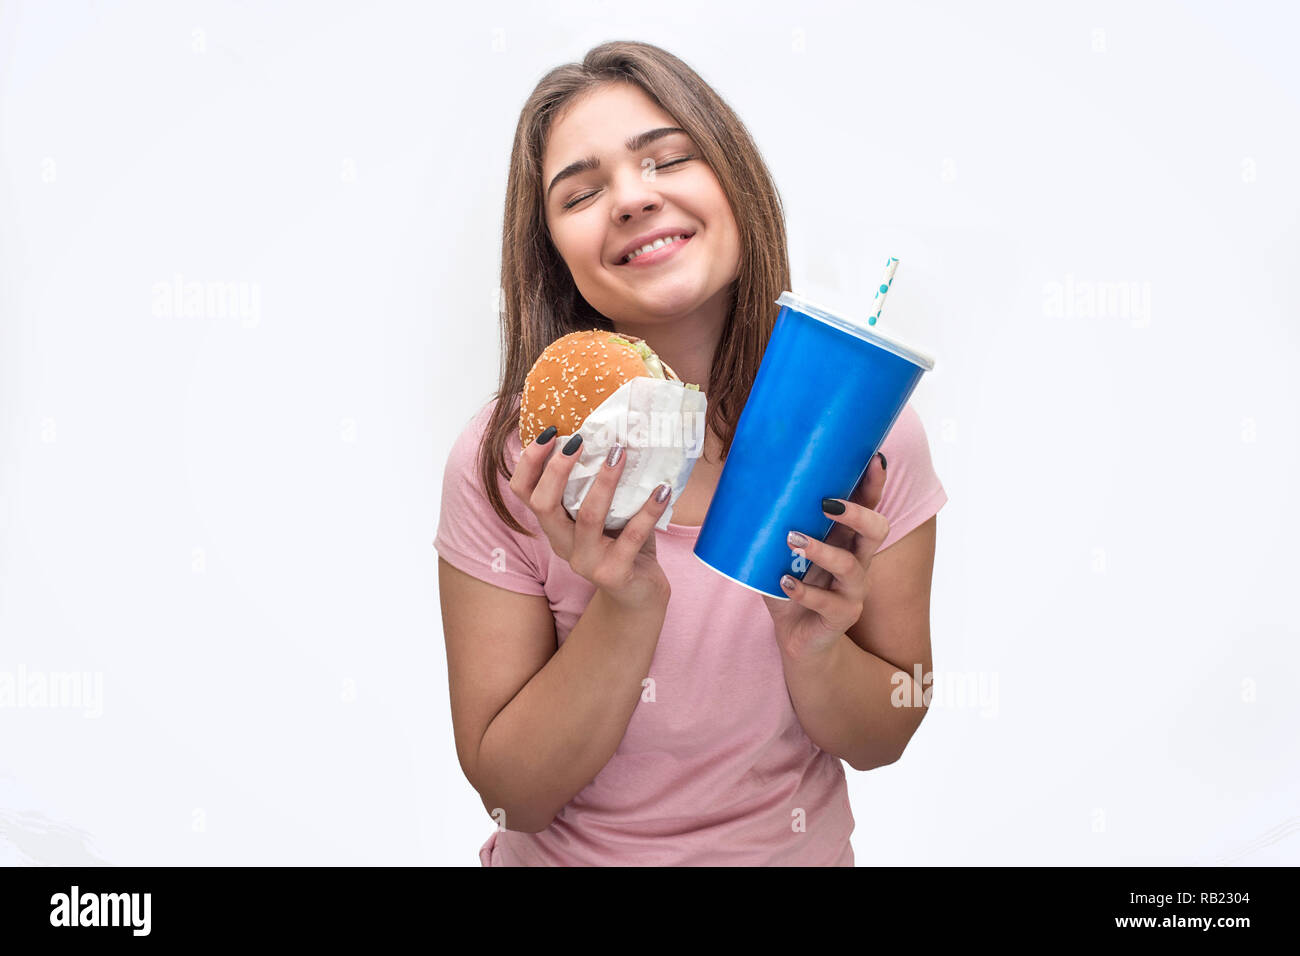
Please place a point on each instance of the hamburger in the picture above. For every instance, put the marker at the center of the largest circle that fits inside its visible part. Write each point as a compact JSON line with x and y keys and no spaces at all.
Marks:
{"x":577,"y":372}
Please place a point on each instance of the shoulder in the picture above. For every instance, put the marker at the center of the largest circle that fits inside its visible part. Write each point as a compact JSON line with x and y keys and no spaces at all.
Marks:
{"x":474,"y":431}
{"x":473,"y":535}
{"x":913,"y":491}
{"x":907,"y":437}
{"x":462,"y":467}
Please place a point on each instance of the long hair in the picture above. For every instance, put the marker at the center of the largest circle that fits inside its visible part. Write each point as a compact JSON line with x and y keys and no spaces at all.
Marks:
{"x":540,"y":301}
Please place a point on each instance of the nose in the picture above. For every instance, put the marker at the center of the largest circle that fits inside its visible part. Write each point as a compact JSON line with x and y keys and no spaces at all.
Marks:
{"x":633,"y":193}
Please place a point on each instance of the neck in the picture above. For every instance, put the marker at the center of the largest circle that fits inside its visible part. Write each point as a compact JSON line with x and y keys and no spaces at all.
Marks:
{"x":686,"y":342}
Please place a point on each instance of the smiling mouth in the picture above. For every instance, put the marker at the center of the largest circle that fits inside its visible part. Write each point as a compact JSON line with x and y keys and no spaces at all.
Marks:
{"x":655,"y":255}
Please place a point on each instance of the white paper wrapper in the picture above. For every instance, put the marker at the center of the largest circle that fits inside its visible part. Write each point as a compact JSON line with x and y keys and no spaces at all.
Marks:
{"x":661,"y":425}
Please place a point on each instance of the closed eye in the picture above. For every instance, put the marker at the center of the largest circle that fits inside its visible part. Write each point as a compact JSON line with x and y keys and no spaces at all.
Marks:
{"x":573,"y":202}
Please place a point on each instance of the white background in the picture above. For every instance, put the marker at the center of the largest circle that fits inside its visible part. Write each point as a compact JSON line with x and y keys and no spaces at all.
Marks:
{"x":227,"y":519}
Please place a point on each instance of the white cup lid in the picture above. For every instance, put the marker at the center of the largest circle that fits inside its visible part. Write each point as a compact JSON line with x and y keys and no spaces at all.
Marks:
{"x":889,"y":342}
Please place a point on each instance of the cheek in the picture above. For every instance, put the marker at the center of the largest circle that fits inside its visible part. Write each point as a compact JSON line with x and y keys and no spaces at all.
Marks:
{"x":725,"y":230}
{"x":721,"y":218}
{"x":582,"y":248}
{"x":569,"y":247}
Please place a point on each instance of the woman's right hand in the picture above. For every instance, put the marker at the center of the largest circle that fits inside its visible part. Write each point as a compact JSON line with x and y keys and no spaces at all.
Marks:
{"x":621,"y":563}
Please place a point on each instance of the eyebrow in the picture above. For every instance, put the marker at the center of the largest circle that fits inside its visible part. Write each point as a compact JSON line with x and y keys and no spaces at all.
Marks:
{"x":637,"y":142}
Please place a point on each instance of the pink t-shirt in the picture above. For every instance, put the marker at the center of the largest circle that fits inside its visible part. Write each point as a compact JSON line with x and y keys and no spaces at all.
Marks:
{"x":716,"y":770}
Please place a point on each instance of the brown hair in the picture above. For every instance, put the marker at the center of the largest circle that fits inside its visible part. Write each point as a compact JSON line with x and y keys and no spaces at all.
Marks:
{"x":540,"y":301}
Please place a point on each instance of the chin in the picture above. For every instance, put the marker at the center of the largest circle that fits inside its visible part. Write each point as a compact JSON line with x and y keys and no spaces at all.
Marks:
{"x":673,"y":300}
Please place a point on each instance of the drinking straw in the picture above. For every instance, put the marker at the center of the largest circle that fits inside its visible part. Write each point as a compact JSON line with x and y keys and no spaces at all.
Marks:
{"x":885,"y":281}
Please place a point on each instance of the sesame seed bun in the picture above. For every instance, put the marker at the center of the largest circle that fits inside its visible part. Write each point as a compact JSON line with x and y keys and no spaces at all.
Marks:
{"x":576,"y":373}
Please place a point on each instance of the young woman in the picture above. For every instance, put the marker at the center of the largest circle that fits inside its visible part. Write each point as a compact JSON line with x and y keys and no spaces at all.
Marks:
{"x":615,"y":702}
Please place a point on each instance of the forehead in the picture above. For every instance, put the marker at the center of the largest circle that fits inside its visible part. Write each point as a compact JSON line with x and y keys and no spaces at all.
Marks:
{"x":601,"y":122}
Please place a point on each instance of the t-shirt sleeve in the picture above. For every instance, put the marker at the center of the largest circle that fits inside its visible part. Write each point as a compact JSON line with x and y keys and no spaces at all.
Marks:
{"x":472,"y":536}
{"x":913,"y":493}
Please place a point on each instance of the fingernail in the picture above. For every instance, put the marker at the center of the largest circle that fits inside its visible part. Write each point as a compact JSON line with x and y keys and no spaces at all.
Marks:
{"x":883,"y":464}
{"x":795,"y":539}
{"x":547,"y":435}
{"x":573,"y":444}
{"x":662,"y":493}
{"x":832,"y":506}
{"x":615,"y":454}
{"x":787,"y":582}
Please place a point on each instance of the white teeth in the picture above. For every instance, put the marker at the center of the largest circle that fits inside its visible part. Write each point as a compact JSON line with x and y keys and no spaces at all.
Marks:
{"x":651,"y":247}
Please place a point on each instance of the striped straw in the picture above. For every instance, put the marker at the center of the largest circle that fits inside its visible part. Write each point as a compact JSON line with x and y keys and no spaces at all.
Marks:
{"x":885,"y":281}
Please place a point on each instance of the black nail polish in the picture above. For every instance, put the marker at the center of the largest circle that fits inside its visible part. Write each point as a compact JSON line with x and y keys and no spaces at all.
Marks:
{"x":883,"y":464}
{"x":573,"y":444}
{"x":547,"y":435}
{"x":832,"y":507}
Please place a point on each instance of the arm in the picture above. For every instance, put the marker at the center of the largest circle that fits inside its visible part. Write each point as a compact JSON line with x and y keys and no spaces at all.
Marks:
{"x":563,"y":726}
{"x":861,"y":700}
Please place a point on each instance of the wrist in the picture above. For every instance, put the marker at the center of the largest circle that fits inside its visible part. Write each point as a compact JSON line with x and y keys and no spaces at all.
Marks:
{"x":817,"y":662}
{"x":651,"y":598}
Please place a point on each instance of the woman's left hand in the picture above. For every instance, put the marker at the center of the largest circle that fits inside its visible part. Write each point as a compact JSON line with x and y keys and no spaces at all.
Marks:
{"x":830,"y":598}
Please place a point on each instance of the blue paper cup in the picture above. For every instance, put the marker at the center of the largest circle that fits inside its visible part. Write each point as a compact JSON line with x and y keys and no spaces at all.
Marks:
{"x":827,"y":393}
